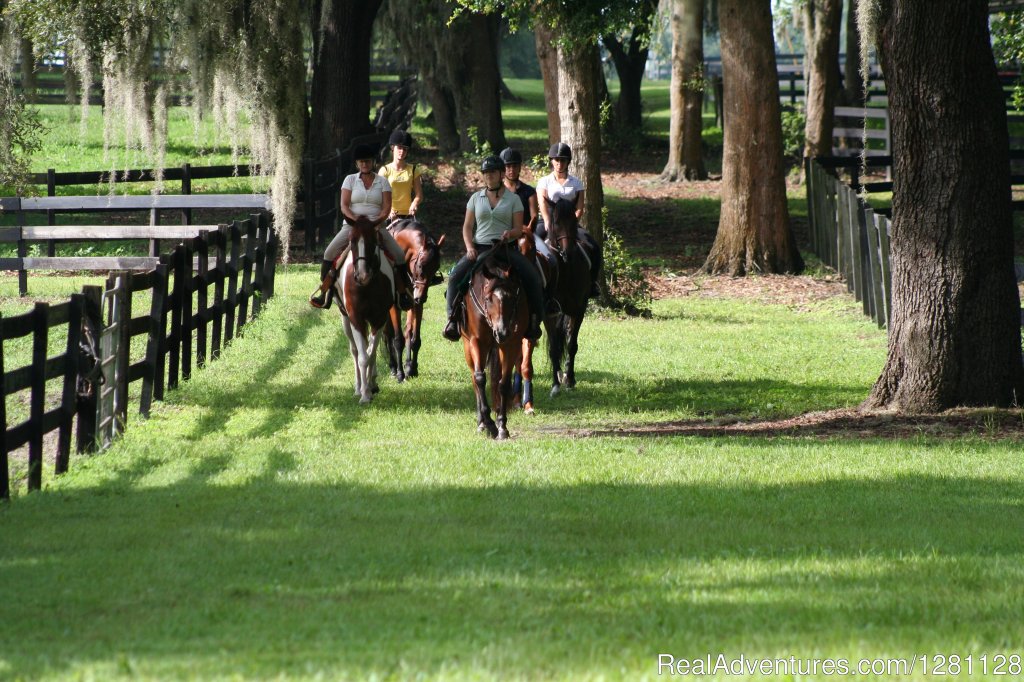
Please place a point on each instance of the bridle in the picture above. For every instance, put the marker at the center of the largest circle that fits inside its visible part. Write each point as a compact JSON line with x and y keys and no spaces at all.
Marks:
{"x":482,"y":308}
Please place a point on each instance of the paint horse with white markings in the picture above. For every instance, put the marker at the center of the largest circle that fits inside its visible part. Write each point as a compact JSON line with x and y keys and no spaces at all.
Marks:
{"x":366,"y":290}
{"x":423,"y":254}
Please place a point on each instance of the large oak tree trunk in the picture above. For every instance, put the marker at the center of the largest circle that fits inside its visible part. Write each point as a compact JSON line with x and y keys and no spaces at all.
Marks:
{"x":685,"y":154}
{"x":822,"y":22}
{"x":547,"y":55}
{"x":853,"y":84}
{"x":340,"y":88}
{"x":579,"y":73}
{"x":28,"y":70}
{"x":955,"y":326}
{"x":754,"y":234}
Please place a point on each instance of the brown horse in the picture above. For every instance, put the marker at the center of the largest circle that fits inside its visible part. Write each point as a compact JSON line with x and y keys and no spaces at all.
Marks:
{"x":365,"y":289}
{"x":522,"y":386}
{"x":571,"y":293}
{"x":423,"y":255}
{"x":496,"y":318}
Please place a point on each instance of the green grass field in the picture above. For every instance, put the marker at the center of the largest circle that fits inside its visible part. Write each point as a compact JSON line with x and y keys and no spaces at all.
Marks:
{"x":263,"y":525}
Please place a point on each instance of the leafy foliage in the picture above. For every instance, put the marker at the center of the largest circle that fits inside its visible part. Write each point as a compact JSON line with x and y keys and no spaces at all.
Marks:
{"x":625,"y":286}
{"x":794,"y":133}
{"x":20,"y":127}
{"x":1008,"y":47}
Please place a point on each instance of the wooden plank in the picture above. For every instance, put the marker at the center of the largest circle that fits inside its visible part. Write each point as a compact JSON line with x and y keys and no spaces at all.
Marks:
{"x":58,"y":314}
{"x":859,"y":133}
{"x":152,"y":386}
{"x":220,"y":270}
{"x":17,"y":326}
{"x":68,"y":399}
{"x":202,"y":247}
{"x":87,"y":404}
{"x":861,"y":112}
{"x":145,"y":202}
{"x":882,"y":224}
{"x":37,"y":401}
{"x":90,"y":232}
{"x":10,"y":234}
{"x":250,"y":255}
{"x":80,"y":263}
{"x":186,"y":315}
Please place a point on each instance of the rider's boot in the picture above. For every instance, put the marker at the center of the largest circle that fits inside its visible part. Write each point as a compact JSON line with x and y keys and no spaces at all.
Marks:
{"x":451,"y":329}
{"x":320,"y":298}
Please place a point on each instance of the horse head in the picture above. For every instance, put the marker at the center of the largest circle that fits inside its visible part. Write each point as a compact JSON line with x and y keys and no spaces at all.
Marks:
{"x":423,"y":253}
{"x":527,"y":246}
{"x":564,"y":228}
{"x":365,"y":254}
{"x":498,"y":296}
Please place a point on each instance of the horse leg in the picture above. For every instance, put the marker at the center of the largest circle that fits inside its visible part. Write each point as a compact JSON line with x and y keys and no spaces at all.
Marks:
{"x":475,"y":359}
{"x":412,"y":337}
{"x":354,"y":350}
{"x":526,"y":372}
{"x":395,"y":342}
{"x":362,"y":366}
{"x":570,"y":357}
{"x":556,"y":344}
{"x":371,"y":362}
{"x":504,"y":391}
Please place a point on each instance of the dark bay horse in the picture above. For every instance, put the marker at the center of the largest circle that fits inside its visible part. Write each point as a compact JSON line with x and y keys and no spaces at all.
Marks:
{"x":523,"y":383}
{"x":496,"y":318}
{"x":423,"y":255}
{"x":366,"y":292}
{"x":571,"y":293}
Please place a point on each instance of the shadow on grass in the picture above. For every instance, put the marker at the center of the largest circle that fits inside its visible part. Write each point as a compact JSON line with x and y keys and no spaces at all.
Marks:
{"x":279,"y":578}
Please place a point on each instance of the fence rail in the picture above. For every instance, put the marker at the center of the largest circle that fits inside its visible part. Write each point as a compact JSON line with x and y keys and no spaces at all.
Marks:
{"x":850,"y":235}
{"x":181,"y":324}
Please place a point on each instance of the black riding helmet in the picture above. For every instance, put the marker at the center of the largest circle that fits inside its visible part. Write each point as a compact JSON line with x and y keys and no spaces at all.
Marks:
{"x":560,"y":150}
{"x":511,"y":156}
{"x":492,"y":163}
{"x":364,"y":151}
{"x":401,"y":138}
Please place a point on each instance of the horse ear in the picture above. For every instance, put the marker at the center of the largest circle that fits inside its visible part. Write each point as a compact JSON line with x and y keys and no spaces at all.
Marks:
{"x":440,"y":242}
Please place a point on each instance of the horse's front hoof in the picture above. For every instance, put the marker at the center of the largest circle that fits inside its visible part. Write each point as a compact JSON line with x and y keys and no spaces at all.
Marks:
{"x":555,"y":390}
{"x":412,"y":370}
{"x":375,"y":390}
{"x":365,"y":400}
{"x":502,"y":434}
{"x":528,"y":408}
{"x":399,"y":378}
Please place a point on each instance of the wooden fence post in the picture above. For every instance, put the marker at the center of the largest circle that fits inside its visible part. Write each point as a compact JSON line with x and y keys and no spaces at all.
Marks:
{"x":250,"y":256}
{"x":186,"y":188}
{"x":177,"y":294}
{"x":51,"y":216}
{"x":186,"y":311}
{"x":153,"y":382}
{"x":270,"y":272}
{"x":201,"y":246}
{"x":88,"y":400}
{"x":68,"y":403}
{"x":259,"y":263}
{"x":220,"y":243}
{"x":124,"y":347}
{"x":37,"y":401}
{"x":235,"y":237}
{"x":5,"y":474}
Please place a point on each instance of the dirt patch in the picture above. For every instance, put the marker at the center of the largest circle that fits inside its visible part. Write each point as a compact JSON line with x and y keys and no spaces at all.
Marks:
{"x":782,"y":289}
{"x":990,"y":424}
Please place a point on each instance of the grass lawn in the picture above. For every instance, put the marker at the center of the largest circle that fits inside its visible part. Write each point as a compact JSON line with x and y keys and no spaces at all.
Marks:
{"x":263,"y":525}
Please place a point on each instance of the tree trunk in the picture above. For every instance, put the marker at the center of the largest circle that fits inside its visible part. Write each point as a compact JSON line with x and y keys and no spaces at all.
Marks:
{"x":685,"y":153}
{"x":442,"y":104}
{"x":474,"y":78}
{"x":547,"y":55}
{"x":754,"y":234}
{"x":28,"y":70}
{"x":853,"y":84}
{"x":630,"y":59}
{"x":955,"y":327}
{"x":579,"y":71}
{"x":823,"y":21}
{"x":340,"y":89}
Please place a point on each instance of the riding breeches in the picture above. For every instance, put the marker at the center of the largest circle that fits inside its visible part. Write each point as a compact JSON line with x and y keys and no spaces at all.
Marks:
{"x":341,"y":240}
{"x":527,"y":271}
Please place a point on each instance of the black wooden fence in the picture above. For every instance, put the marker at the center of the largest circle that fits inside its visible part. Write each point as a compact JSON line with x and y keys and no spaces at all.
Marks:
{"x":203,"y":294}
{"x":850,"y":235}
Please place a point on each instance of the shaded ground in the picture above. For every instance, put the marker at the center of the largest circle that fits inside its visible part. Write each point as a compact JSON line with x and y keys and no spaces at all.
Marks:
{"x":845,"y":423}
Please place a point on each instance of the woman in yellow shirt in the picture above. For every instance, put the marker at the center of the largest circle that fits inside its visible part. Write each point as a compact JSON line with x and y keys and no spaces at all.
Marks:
{"x":406,"y":186}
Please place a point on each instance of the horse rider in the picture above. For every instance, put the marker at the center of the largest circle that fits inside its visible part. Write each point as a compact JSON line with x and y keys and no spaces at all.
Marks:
{"x":366,"y":196}
{"x":493,"y":213}
{"x":559,"y":184}
{"x":405,"y":179}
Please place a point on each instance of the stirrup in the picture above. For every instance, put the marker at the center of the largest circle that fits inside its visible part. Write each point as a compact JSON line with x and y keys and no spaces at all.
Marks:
{"x":320,"y":299}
